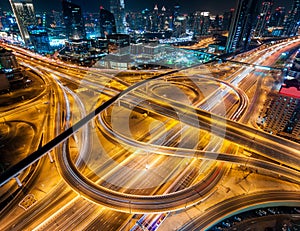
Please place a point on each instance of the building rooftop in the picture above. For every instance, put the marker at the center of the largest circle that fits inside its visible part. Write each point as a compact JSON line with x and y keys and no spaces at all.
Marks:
{"x":290,"y":91}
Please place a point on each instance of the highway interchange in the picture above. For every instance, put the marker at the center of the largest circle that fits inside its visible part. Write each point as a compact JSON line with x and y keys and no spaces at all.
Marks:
{"x":137,"y":153}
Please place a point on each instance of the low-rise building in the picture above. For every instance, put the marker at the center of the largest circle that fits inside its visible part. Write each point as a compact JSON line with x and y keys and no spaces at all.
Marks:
{"x":9,"y":68}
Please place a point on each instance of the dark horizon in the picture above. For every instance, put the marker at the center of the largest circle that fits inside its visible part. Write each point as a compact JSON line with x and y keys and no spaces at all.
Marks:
{"x":213,"y":6}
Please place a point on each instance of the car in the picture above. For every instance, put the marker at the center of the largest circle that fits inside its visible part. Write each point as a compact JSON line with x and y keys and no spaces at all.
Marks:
{"x":271,"y":211}
{"x":237,"y":218}
{"x":261,"y":212}
{"x":226,"y":224}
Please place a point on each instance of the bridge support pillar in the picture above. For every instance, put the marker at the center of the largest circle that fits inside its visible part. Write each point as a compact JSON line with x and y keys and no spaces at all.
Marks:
{"x":18,"y":181}
{"x":50,"y":157}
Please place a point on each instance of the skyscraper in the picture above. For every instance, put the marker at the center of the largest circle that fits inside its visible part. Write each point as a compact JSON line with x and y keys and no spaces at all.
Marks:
{"x":1,"y":16}
{"x":227,"y":18}
{"x":242,"y":26}
{"x":263,"y":18}
{"x":293,"y":22}
{"x":201,"y":23}
{"x":179,"y":27}
{"x":117,"y":7}
{"x":146,"y":22}
{"x":277,"y":17}
{"x":107,"y":23}
{"x":164,"y":19}
{"x":57,"y":18}
{"x":73,"y":20}
{"x":155,"y":19}
{"x":25,"y":16}
{"x":40,"y":40}
{"x":175,"y":14}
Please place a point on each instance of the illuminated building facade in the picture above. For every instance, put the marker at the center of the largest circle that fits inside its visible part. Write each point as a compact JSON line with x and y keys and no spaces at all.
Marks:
{"x":242,"y":25}
{"x":293,"y":22}
{"x":150,"y":21}
{"x":1,"y":16}
{"x":155,"y":19}
{"x":117,"y":7}
{"x":180,"y":25}
{"x":201,"y":23}
{"x":281,"y":112}
{"x":8,"y":61}
{"x":227,"y":18}
{"x":9,"y":68}
{"x":40,"y":40}
{"x":73,"y":19}
{"x":107,"y":23}
{"x":146,"y":20}
{"x":281,"y":115}
{"x":25,"y":16}
{"x":263,"y":18}
{"x":277,"y":18}
{"x":176,"y":13}
{"x":164,"y":19}
{"x":293,"y":73}
{"x":275,"y":26}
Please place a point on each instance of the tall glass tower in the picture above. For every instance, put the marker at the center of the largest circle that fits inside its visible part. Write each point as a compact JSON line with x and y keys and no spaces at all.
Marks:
{"x":242,"y":25}
{"x":117,"y":7}
{"x":25,"y":16}
{"x":107,"y":23}
{"x":73,"y":20}
{"x":293,"y":22}
{"x":263,"y":18}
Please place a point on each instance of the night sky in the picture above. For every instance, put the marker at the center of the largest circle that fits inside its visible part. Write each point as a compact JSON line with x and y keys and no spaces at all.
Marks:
{"x":214,"y":6}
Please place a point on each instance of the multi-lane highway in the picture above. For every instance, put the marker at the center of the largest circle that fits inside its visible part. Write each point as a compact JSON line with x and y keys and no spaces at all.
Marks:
{"x":244,"y":202}
{"x":124,"y":179}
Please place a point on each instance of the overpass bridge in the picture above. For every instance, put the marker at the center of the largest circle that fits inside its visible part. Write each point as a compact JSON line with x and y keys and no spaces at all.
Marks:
{"x":15,"y":170}
{"x":256,"y":66}
{"x":263,"y":142}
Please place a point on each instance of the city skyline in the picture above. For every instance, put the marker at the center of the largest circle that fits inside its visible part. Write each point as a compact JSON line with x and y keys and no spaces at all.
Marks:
{"x":213,"y":6}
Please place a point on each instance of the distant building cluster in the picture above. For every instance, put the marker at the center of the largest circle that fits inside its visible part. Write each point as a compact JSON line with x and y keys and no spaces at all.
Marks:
{"x":31,"y":34}
{"x":46,"y":32}
{"x":257,"y":19}
{"x":281,"y":112}
{"x":150,"y":56}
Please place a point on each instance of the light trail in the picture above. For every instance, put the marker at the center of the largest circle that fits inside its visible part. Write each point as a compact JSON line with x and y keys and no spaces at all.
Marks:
{"x":255,"y":138}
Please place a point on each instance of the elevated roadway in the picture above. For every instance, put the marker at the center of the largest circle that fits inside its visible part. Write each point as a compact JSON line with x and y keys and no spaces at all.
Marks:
{"x":243,"y":203}
{"x":276,"y":148}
